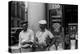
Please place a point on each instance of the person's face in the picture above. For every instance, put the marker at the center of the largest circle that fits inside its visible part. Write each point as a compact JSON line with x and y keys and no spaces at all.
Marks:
{"x":42,"y":26}
{"x":25,"y":26}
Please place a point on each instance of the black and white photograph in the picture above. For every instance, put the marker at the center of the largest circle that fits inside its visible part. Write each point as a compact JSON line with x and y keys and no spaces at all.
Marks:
{"x":37,"y":27}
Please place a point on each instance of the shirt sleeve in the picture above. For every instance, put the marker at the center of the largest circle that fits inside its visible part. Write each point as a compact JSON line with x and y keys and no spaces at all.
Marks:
{"x":20,"y":40}
{"x":37,"y":34}
{"x":36,"y":37}
{"x":32,"y":36}
{"x":50,"y":34}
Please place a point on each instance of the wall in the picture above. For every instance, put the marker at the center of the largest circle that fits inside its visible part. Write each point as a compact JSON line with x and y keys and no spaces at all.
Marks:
{"x":36,"y":12}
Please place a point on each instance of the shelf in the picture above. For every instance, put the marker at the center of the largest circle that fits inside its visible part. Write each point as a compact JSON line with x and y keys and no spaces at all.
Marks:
{"x":12,"y":32}
{"x":15,"y":28}
{"x":57,"y":20}
{"x":73,"y":24}
{"x":56,"y":16}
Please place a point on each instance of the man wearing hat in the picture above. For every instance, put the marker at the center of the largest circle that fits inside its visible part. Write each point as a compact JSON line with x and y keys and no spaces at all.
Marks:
{"x":43,"y":34}
{"x":26,"y":36}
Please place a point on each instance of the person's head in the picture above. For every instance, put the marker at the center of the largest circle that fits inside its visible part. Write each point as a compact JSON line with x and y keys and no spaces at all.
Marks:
{"x":25,"y":25}
{"x":42,"y":25}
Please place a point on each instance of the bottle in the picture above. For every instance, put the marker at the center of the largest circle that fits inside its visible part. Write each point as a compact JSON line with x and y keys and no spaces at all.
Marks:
{"x":60,"y":46}
{"x":73,"y":42}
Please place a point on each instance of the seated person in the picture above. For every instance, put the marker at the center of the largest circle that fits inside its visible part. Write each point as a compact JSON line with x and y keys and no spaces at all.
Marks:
{"x":26,"y":36}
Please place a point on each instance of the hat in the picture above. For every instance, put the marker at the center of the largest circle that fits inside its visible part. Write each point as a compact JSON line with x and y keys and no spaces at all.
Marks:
{"x":42,"y":22}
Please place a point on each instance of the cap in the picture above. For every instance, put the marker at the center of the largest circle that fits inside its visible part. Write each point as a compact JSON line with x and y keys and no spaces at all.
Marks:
{"x":42,"y":22}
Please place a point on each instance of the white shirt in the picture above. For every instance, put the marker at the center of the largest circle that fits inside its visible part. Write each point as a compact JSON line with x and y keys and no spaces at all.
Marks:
{"x":26,"y":36}
{"x":43,"y":35}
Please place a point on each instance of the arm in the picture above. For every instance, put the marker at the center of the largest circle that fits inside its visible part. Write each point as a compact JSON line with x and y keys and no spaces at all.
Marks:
{"x":51,"y":37}
{"x":50,"y":34}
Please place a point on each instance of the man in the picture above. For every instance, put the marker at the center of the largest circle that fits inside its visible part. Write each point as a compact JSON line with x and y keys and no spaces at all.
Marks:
{"x":43,"y":36}
{"x":26,"y":36}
